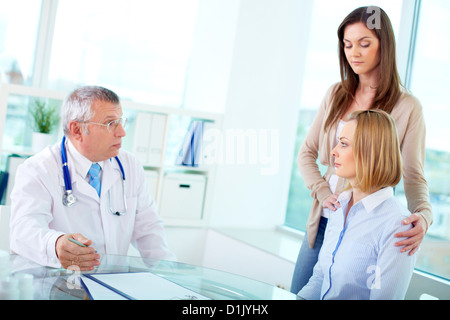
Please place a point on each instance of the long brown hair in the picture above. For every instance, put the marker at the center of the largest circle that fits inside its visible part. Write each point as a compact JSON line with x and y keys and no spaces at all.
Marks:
{"x":389,"y":85}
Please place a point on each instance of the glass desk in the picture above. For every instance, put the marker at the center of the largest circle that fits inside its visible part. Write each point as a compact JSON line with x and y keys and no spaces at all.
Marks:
{"x":62,"y":284}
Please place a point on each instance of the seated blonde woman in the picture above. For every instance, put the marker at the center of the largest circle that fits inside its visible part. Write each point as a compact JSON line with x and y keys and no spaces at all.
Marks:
{"x":358,"y":259}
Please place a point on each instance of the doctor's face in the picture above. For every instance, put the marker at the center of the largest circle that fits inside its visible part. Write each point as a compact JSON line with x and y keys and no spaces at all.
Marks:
{"x":99,"y":144}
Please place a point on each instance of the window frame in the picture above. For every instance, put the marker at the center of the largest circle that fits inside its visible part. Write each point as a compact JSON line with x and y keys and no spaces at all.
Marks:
{"x":44,"y":43}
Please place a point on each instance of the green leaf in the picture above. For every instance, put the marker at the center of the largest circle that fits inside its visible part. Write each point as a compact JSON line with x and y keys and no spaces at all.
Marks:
{"x":44,"y":116}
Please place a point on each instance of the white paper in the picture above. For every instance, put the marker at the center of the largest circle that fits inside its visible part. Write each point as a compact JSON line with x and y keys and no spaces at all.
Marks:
{"x":140,"y":286}
{"x":100,"y":292}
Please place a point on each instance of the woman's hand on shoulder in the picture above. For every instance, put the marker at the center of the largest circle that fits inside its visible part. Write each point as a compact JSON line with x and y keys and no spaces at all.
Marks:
{"x":332,"y":202}
{"x":414,"y":236}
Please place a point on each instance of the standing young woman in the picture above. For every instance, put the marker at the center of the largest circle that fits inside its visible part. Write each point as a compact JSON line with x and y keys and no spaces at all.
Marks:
{"x":369,"y":79}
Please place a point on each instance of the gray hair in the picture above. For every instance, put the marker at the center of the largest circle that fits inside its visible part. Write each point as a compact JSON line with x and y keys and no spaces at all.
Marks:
{"x":77,"y":106}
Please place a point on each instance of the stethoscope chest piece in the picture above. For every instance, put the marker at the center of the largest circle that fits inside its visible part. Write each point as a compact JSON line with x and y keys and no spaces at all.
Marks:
{"x":68,"y":198}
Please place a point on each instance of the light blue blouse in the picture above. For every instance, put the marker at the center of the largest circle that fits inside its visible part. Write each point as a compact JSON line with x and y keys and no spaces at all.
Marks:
{"x":358,"y":260}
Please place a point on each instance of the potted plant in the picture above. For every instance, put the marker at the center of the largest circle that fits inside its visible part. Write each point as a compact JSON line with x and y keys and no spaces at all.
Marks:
{"x":44,"y":118}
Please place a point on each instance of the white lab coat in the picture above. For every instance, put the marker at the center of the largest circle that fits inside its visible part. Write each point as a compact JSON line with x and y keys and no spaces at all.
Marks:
{"x":38,"y":216}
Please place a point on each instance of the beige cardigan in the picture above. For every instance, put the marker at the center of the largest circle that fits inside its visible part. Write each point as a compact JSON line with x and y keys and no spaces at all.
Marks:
{"x":411,"y":131}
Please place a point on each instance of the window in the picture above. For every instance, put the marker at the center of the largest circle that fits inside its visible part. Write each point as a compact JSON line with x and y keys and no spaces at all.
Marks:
{"x":139,"y":48}
{"x":19,"y":124}
{"x":18,"y":38}
{"x":429,"y":81}
{"x":18,"y":34}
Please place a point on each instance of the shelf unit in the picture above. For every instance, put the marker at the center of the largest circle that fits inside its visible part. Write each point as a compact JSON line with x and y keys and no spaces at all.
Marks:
{"x":172,"y":123}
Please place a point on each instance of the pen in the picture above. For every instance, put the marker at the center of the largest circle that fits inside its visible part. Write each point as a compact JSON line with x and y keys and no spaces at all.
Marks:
{"x":80,"y":244}
{"x":77,"y":242}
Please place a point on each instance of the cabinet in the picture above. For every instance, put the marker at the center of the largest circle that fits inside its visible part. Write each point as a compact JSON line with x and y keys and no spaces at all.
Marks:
{"x":189,"y":192}
{"x":155,"y":135}
{"x":149,"y":138}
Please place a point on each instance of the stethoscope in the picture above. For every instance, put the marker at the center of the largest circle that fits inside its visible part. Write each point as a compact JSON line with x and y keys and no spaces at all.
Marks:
{"x":69,"y":199}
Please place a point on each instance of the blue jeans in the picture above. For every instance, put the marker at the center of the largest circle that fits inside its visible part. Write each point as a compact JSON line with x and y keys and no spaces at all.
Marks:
{"x":307,"y":259}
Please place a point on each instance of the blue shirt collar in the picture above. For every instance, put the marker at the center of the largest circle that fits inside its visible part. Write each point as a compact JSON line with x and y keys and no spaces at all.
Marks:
{"x":81,"y":163}
{"x":371,"y":201}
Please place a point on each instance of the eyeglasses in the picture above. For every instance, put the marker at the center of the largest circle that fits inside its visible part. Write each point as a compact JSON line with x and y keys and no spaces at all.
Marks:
{"x":111,"y":125}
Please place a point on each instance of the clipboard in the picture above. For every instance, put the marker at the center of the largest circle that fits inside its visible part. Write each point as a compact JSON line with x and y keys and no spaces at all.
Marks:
{"x":135,"y":286}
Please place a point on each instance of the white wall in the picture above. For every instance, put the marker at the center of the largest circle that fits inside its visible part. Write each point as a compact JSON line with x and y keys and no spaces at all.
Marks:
{"x":212,"y":49}
{"x":249,"y":62}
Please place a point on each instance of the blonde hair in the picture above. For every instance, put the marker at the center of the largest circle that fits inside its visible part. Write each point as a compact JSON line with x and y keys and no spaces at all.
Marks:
{"x":376,"y":150}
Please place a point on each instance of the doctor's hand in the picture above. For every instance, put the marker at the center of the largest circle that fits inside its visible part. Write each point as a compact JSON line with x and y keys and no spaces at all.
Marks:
{"x":71,"y":254}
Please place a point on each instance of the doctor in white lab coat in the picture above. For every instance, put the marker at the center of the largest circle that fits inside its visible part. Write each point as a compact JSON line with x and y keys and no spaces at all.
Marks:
{"x":41,"y":224}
